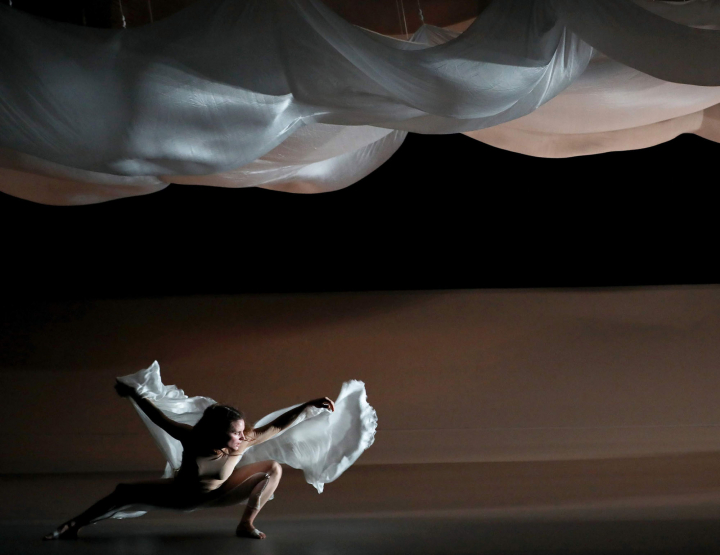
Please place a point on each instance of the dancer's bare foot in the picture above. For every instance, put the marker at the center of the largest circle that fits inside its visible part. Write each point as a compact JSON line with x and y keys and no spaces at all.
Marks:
{"x":67,"y":531}
{"x":246,"y":530}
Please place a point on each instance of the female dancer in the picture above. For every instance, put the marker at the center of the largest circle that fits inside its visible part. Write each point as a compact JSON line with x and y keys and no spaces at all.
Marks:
{"x":207,"y":476}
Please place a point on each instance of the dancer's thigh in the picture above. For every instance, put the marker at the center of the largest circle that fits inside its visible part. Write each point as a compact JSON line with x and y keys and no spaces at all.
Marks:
{"x":237,"y":488}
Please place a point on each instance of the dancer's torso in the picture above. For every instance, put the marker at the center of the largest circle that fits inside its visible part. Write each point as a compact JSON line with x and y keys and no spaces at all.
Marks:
{"x":206,"y":472}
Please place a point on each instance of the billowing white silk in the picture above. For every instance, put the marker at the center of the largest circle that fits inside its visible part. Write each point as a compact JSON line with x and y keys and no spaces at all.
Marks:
{"x":556,"y":145}
{"x":223,"y":82}
{"x":610,"y":96}
{"x":611,"y":107}
{"x":32,"y":178}
{"x":286,"y":95}
{"x":317,"y":158}
{"x":321,"y":443}
{"x":638,"y":38}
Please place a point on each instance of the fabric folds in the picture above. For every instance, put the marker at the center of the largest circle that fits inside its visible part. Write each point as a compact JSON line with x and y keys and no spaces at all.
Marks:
{"x":611,"y":107}
{"x":223,"y":82}
{"x":645,"y":41}
{"x":286,"y":95}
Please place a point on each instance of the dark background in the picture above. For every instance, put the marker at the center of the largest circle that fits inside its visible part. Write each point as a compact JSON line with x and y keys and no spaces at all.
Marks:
{"x":444,"y":212}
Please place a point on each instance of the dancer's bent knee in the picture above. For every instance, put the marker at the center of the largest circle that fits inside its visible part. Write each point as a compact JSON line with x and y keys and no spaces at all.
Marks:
{"x":275,"y":468}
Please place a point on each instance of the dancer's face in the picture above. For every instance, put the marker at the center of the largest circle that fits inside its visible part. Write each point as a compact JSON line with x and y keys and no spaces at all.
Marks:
{"x":236,"y":434}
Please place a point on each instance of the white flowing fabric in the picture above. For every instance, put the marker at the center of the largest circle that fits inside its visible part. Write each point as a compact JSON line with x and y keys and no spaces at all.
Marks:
{"x":321,"y":443}
{"x":611,"y":107}
{"x":285,"y":94}
{"x":316,"y":158}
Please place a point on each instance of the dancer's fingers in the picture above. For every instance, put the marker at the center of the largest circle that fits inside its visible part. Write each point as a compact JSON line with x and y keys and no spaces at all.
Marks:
{"x":323,"y":403}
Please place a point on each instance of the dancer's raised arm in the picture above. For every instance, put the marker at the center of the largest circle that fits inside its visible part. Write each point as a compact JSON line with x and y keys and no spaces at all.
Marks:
{"x":179,"y":431}
{"x":263,"y":433}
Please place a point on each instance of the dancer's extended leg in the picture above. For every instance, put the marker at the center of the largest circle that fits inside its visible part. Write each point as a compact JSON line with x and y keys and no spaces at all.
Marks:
{"x":157,"y":493}
{"x":254,"y":483}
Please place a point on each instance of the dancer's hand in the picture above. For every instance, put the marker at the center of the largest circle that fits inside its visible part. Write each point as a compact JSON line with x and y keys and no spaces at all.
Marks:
{"x":323,"y":403}
{"x":124,"y":390}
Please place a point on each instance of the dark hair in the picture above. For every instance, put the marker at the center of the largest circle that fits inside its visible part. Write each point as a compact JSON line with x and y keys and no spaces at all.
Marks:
{"x":211,"y":430}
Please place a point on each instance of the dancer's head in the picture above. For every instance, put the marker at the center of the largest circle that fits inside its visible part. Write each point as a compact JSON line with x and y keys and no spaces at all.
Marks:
{"x":221,"y":427}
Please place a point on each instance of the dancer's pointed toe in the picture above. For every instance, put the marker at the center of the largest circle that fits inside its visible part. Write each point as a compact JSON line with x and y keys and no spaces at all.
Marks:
{"x":67,"y":531}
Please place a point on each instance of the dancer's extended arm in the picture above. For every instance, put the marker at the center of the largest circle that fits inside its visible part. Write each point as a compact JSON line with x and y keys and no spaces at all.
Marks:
{"x":179,"y":431}
{"x":263,"y":433}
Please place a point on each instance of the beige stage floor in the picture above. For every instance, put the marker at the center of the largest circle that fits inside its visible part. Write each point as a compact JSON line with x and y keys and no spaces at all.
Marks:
{"x":651,"y":504}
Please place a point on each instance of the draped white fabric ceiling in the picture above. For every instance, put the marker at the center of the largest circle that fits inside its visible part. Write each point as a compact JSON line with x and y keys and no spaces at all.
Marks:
{"x":286,"y":95}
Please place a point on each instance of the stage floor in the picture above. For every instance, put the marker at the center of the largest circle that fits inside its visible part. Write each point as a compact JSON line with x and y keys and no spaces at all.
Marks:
{"x":652,"y":504}
{"x":364,"y":536}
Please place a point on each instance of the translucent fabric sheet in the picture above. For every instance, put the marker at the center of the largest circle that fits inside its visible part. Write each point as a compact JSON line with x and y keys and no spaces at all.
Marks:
{"x":555,"y":145}
{"x":321,"y":443}
{"x":610,"y":107}
{"x":317,"y":158}
{"x":32,"y":178}
{"x":239,"y":93}
{"x":223,"y":82}
{"x":326,"y":443}
{"x":636,"y":37}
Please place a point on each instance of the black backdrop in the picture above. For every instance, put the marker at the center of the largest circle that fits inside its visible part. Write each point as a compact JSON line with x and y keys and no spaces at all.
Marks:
{"x":444,"y":212}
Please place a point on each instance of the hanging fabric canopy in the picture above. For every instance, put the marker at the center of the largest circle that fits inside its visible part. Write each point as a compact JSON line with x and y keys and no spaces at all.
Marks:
{"x":287,"y":95}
